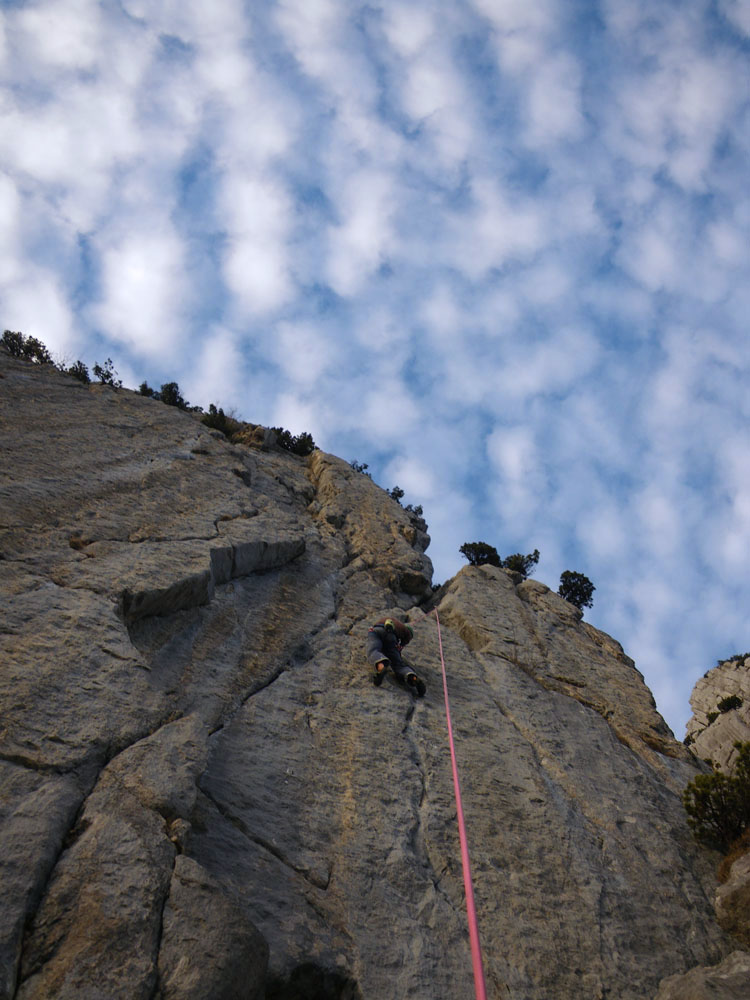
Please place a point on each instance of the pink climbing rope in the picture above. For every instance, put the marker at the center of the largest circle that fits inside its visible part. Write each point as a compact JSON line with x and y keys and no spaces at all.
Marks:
{"x":480,"y":988}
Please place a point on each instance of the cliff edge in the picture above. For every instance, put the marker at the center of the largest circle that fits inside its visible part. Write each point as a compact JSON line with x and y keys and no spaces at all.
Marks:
{"x":203,"y":795}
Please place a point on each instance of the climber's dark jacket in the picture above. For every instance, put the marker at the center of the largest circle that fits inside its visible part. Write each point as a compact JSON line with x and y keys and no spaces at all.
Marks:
{"x":386,"y":644}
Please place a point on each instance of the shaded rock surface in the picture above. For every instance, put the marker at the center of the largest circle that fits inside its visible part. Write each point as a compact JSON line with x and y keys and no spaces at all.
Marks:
{"x":196,"y":767}
{"x":209,"y":948}
{"x":733,"y":901}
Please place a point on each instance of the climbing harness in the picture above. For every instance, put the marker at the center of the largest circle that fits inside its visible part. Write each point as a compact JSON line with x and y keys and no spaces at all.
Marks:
{"x":471,"y":913}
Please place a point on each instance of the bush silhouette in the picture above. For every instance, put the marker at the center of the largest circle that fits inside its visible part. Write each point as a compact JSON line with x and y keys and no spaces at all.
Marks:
{"x":28,"y":348}
{"x":521,"y":564}
{"x":217,"y":420}
{"x":576,"y":588}
{"x":107,"y":374}
{"x":718,"y":805}
{"x":361,"y":467}
{"x":79,"y":371}
{"x":480,"y":554}
{"x":171,"y":395}
{"x":298,"y":444}
{"x":727,"y":704}
{"x":13,"y":343}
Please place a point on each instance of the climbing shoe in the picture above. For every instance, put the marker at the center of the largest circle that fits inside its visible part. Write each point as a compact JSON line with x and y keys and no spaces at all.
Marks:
{"x":418,"y":684}
{"x":381,"y":669}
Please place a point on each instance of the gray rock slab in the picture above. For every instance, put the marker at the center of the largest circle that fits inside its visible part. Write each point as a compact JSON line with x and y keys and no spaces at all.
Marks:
{"x":72,"y":686}
{"x":36,"y":811}
{"x":733,"y":901}
{"x":711,"y":732}
{"x":208,"y":947}
{"x":98,"y":928}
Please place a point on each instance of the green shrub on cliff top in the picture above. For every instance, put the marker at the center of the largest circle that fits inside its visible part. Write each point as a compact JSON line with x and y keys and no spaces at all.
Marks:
{"x":107,"y":374}
{"x":217,"y":420}
{"x":480,"y":554}
{"x":577,"y":589}
{"x":521,"y":564}
{"x":28,"y":348}
{"x":298,"y":444}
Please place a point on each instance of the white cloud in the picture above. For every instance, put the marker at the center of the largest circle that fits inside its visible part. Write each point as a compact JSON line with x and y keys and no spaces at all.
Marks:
{"x":551,"y":366}
{"x":386,"y":415}
{"x":145,"y":296}
{"x":256,"y":213}
{"x":738,"y":12}
{"x":363,"y":238}
{"x":728,"y":242}
{"x":11,"y":249}
{"x":303,"y":352}
{"x":431,"y":85}
{"x":297,"y":415}
{"x":554,"y":103}
{"x":603,"y":531}
{"x":37,"y":306}
{"x":517,"y":16}
{"x":218,"y":376}
{"x":519,"y":484}
{"x":498,"y":230}
{"x":62,"y":33}
{"x":653,"y":253}
{"x":407,"y":28}
{"x":415,"y":476}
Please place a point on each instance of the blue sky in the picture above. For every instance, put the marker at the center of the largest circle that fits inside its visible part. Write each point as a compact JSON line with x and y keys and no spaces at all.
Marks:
{"x":496,"y":249}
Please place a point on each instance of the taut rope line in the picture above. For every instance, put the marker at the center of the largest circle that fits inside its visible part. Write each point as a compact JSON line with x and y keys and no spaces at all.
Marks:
{"x":471,"y":912}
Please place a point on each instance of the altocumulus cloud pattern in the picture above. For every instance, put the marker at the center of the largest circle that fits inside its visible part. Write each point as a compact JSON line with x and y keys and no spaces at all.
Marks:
{"x":496,"y":249}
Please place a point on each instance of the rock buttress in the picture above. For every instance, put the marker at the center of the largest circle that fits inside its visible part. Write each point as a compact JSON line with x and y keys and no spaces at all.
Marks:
{"x":213,"y":751}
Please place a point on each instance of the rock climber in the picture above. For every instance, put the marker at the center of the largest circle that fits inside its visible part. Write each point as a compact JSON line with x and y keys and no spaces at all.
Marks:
{"x":385,"y":640}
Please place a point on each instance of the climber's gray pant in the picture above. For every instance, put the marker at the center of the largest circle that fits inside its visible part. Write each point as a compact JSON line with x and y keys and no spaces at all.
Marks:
{"x":383,"y":644}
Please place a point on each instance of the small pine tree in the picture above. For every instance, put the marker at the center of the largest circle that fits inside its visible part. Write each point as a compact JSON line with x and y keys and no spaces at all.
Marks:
{"x":171,"y":395}
{"x":298,"y":444}
{"x":13,"y":343}
{"x":730,"y":703}
{"x":396,"y":494}
{"x":80,"y":372}
{"x":107,"y":374}
{"x":217,"y":420}
{"x":576,"y":588}
{"x":34,"y":350}
{"x":480,"y":554}
{"x":521,"y":564}
{"x":29,"y":348}
{"x":718,"y":805}
{"x":361,"y":467}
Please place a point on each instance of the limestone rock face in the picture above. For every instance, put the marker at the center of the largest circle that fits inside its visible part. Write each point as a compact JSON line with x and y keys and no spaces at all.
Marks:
{"x":209,"y":948}
{"x":726,"y":981}
{"x":203,"y":794}
{"x":711,"y":731}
